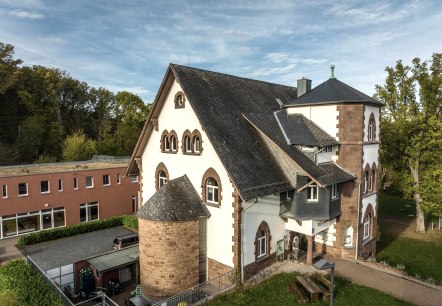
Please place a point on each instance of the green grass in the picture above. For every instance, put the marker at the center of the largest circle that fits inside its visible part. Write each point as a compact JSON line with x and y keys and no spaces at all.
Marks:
{"x":396,"y":207}
{"x":420,"y":258}
{"x":274,"y":291}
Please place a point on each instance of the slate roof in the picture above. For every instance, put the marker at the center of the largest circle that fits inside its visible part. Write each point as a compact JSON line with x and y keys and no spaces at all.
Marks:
{"x":326,"y":175}
{"x":218,"y":100}
{"x":332,"y":91}
{"x":175,"y":201}
{"x":299,"y":130}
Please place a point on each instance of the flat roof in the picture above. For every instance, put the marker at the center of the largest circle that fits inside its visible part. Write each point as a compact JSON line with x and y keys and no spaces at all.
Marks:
{"x":30,"y":169}
{"x":116,"y":259}
{"x":56,"y":253}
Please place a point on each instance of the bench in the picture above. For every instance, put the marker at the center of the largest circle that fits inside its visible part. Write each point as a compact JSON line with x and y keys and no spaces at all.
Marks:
{"x":323,"y":282}
{"x":314,"y":290}
{"x":299,"y":293}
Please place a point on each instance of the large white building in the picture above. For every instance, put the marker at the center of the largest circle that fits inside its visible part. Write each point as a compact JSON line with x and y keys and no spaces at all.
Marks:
{"x":269,"y":162}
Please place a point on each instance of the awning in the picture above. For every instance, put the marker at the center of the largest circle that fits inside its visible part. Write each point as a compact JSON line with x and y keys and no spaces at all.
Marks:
{"x":116,"y":259}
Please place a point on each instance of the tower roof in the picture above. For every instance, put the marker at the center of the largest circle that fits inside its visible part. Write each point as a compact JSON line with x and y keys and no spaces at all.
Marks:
{"x":175,"y":201}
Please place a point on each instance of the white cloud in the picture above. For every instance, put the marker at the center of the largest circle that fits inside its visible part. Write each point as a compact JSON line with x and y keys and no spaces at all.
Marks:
{"x":277,"y":57}
{"x":26,"y":14}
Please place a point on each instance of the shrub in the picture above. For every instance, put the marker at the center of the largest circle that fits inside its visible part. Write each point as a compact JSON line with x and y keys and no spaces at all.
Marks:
{"x":131,"y":222}
{"x":20,"y":284}
{"x":72,"y":230}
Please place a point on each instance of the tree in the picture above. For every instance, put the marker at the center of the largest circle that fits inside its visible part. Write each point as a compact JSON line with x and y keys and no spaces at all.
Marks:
{"x":412,"y":131}
{"x":8,"y":67}
{"x":78,"y":147}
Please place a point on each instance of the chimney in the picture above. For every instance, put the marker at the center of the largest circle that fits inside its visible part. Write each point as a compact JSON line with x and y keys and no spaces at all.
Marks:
{"x":304,"y":86}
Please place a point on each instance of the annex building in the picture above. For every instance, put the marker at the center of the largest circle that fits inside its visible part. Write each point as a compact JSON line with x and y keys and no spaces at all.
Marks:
{"x":42,"y":196}
{"x":231,"y":168}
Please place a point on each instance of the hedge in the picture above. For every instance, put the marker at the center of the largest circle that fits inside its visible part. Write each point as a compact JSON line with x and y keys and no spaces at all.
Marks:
{"x":21,"y":284}
{"x":76,"y":229}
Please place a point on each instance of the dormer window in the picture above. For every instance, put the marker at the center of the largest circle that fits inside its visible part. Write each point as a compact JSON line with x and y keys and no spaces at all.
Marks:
{"x":312,"y":193}
{"x":179,"y":100}
{"x":327,"y":149}
{"x":334,"y":191}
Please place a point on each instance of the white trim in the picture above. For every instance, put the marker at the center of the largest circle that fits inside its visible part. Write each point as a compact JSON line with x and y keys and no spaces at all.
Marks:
{"x":49,"y":187}
{"x":75,"y":183}
{"x":311,"y":194}
{"x":60,"y":185}
{"x":91,"y":182}
{"x":5,"y":191}
{"x":108,"y":180}
{"x":262,"y":241}
{"x":24,"y":194}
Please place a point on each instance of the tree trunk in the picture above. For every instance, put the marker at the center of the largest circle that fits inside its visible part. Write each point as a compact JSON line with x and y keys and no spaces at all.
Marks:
{"x":420,"y":221}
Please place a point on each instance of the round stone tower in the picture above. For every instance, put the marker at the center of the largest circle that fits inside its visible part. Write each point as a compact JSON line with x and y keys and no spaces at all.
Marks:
{"x":170,"y":230}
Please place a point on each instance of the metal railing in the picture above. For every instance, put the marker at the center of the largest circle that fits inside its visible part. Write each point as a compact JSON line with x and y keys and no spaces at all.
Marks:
{"x":51,"y":284}
{"x":201,"y":293}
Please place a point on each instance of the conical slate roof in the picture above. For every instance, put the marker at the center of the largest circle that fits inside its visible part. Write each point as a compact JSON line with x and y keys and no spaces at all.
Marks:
{"x":332,"y":91}
{"x":175,"y":201}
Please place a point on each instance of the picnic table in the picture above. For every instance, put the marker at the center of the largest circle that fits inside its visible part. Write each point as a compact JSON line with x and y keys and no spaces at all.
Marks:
{"x":314,"y":290}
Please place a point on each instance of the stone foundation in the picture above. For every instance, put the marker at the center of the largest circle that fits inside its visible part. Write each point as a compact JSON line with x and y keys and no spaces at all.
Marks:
{"x":259,"y":265}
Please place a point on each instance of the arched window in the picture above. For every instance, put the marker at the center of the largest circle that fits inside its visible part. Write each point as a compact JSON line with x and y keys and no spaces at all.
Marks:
{"x":211,"y":190}
{"x":348,"y":236}
{"x":173,"y":143}
{"x":196,"y":144}
{"x":161,"y":176}
{"x":366,"y":179}
{"x":162,"y":179}
{"x":166,"y":143}
{"x":188,"y":144}
{"x":179,"y":100}
{"x":372,"y":180}
{"x":367,"y":226}
{"x":371,"y":129}
{"x":262,"y":241}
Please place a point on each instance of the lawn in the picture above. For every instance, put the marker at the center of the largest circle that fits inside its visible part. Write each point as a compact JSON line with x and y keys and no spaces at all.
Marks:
{"x":420,"y":254}
{"x":274,"y":291}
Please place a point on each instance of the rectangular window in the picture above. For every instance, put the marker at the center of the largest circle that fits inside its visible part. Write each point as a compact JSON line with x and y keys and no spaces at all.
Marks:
{"x":334,"y":191}
{"x":59,"y":217}
{"x":327,"y":149}
{"x":134,"y":204}
{"x":75,"y":183}
{"x":312,"y":193}
{"x":44,"y":186}
{"x":89,"y":212}
{"x":22,"y":189}
{"x":5,"y":191}
{"x":134,"y":178}
{"x":118,"y":178}
{"x":60,"y":185}
{"x":106,"y":180}
{"x":89,"y":181}
{"x":262,"y":245}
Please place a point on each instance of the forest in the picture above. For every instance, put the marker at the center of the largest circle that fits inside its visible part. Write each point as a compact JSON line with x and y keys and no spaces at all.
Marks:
{"x":48,"y":116}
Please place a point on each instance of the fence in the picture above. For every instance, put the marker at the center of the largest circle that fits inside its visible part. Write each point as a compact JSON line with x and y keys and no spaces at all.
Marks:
{"x":200,"y":293}
{"x":53,"y":287}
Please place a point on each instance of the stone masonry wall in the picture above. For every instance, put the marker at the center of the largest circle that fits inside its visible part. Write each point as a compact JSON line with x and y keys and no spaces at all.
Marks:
{"x":169,"y":257}
{"x":216,"y":268}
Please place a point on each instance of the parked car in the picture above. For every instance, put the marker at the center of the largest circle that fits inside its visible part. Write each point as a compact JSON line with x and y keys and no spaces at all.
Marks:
{"x":125,"y":240}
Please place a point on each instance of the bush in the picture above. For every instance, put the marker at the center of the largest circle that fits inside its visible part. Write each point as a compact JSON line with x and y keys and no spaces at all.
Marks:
{"x":72,"y":230}
{"x":20,"y":284}
{"x":130,"y":222}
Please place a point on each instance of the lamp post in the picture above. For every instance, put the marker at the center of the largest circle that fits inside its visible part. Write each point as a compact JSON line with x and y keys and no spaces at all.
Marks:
{"x":324,"y":265}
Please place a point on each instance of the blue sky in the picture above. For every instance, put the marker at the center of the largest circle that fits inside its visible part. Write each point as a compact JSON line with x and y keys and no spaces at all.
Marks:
{"x":127,"y":45}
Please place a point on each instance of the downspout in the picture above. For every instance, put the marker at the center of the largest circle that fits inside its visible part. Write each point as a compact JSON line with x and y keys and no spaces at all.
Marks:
{"x":357,"y":222}
{"x":316,"y":153}
{"x":243,"y":220}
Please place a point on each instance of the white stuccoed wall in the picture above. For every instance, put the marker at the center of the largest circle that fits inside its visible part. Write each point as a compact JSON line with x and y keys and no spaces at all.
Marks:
{"x":325,"y":116}
{"x":219,"y":225}
{"x":371,"y":155}
{"x":266,"y":209}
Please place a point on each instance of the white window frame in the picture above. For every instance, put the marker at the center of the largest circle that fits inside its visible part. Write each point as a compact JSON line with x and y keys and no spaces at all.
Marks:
{"x":91,"y":185}
{"x":166,"y":143}
{"x":366,"y":179}
{"x":118,"y":178}
{"x":367,"y":223}
{"x":23,"y":194}
{"x":5,"y":191}
{"x":162,"y":179}
{"x":311,"y":194}
{"x":370,"y":135}
{"x":49,"y":187}
{"x":108,"y":180}
{"x":180,"y":101}
{"x":75,"y":183}
{"x":262,"y":243}
{"x":88,"y":207}
{"x":334,"y":191}
{"x":348,"y":236}
{"x":188,"y":144}
{"x":328,"y":149}
{"x":196,"y":144}
{"x":60,"y":185}
{"x":173,"y":143}
{"x":212,"y":191}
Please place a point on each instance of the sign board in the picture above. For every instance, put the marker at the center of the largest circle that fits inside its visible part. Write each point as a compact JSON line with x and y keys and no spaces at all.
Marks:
{"x":280,"y":247}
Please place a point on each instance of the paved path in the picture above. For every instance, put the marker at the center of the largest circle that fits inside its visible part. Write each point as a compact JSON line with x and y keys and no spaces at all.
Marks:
{"x":395,"y":285}
{"x":8,"y":250}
